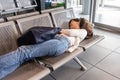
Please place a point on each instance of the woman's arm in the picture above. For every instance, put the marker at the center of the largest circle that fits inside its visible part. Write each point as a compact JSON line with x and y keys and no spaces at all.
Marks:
{"x":75,"y":36}
{"x":76,"y":44}
{"x":81,"y":33}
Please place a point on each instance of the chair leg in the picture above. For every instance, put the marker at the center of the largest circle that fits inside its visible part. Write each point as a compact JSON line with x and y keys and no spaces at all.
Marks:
{"x":80,"y":63}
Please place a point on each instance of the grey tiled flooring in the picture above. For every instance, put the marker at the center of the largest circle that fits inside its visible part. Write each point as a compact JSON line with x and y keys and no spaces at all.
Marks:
{"x":102,"y":61}
{"x":111,"y":64}
{"x":94,"y":54}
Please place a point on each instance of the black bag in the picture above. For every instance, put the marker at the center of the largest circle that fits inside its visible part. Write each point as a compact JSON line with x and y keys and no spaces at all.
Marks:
{"x":37,"y":35}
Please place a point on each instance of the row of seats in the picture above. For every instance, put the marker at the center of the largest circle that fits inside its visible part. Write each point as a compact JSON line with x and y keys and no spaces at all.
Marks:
{"x":16,"y":5}
{"x":10,"y":31}
{"x":12,"y":18}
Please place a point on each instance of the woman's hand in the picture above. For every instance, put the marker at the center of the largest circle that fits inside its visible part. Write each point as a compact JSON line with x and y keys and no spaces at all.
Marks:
{"x":75,"y":46}
{"x":65,"y":31}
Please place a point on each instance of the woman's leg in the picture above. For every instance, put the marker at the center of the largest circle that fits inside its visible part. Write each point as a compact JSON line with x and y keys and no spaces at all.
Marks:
{"x":15,"y":58}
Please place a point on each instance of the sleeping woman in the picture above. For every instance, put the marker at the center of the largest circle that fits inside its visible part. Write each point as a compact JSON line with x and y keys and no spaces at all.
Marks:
{"x":68,"y":40}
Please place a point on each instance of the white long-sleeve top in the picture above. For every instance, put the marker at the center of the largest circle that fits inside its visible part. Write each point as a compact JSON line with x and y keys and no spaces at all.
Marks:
{"x":75,"y":36}
{"x":81,"y":33}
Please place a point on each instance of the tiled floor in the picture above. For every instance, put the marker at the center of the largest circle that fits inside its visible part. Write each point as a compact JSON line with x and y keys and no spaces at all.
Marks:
{"x":102,"y":61}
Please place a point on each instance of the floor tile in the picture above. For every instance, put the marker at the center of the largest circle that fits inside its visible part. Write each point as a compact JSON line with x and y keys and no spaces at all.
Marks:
{"x":98,"y":30}
{"x":117,"y":50}
{"x":111,"y":39}
{"x":111,"y":64}
{"x":94,"y":54}
{"x":96,"y":74}
{"x":48,"y":78}
{"x":109,"y":43}
{"x":113,"y":34}
{"x":69,"y":71}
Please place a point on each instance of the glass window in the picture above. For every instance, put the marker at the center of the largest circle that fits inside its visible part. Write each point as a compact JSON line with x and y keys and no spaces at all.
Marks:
{"x":54,"y":3}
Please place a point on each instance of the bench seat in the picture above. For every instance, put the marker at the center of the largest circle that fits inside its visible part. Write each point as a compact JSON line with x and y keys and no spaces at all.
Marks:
{"x":56,"y":62}
{"x":61,"y":19}
{"x":35,"y":71}
{"x":92,"y":41}
{"x":28,"y":71}
{"x":22,"y":23}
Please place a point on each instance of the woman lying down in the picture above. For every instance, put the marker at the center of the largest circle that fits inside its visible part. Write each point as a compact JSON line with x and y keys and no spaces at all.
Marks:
{"x":67,"y":40}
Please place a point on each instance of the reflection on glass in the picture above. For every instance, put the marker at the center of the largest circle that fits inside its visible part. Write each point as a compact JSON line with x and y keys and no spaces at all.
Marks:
{"x":22,"y":3}
{"x":81,"y":7}
{"x":108,"y":12}
{"x":7,"y":4}
{"x":54,"y":3}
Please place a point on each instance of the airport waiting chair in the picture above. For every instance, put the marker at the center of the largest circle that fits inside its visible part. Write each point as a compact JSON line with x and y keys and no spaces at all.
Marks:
{"x":8,"y":43}
{"x":26,"y":4}
{"x":38,"y":20}
{"x":8,"y":37}
{"x":8,"y":6}
{"x":44,"y":20}
{"x":61,"y":19}
{"x":52,"y":63}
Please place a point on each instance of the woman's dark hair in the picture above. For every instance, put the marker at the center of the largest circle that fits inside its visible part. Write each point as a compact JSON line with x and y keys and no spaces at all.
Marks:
{"x":76,"y":19}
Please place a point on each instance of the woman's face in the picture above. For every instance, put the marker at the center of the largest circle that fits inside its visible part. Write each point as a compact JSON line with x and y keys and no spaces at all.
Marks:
{"x":74,"y":25}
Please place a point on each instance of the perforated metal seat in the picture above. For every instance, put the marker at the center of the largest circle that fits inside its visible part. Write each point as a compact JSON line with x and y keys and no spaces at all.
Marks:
{"x":8,"y":37}
{"x":62,"y":17}
{"x":28,"y":71}
{"x":90,"y":42}
{"x":44,"y":20}
{"x":38,"y":20}
{"x":9,"y":8}
{"x":58,"y":61}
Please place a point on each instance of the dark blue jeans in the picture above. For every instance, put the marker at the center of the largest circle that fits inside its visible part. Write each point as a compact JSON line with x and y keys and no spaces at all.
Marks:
{"x":10,"y":61}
